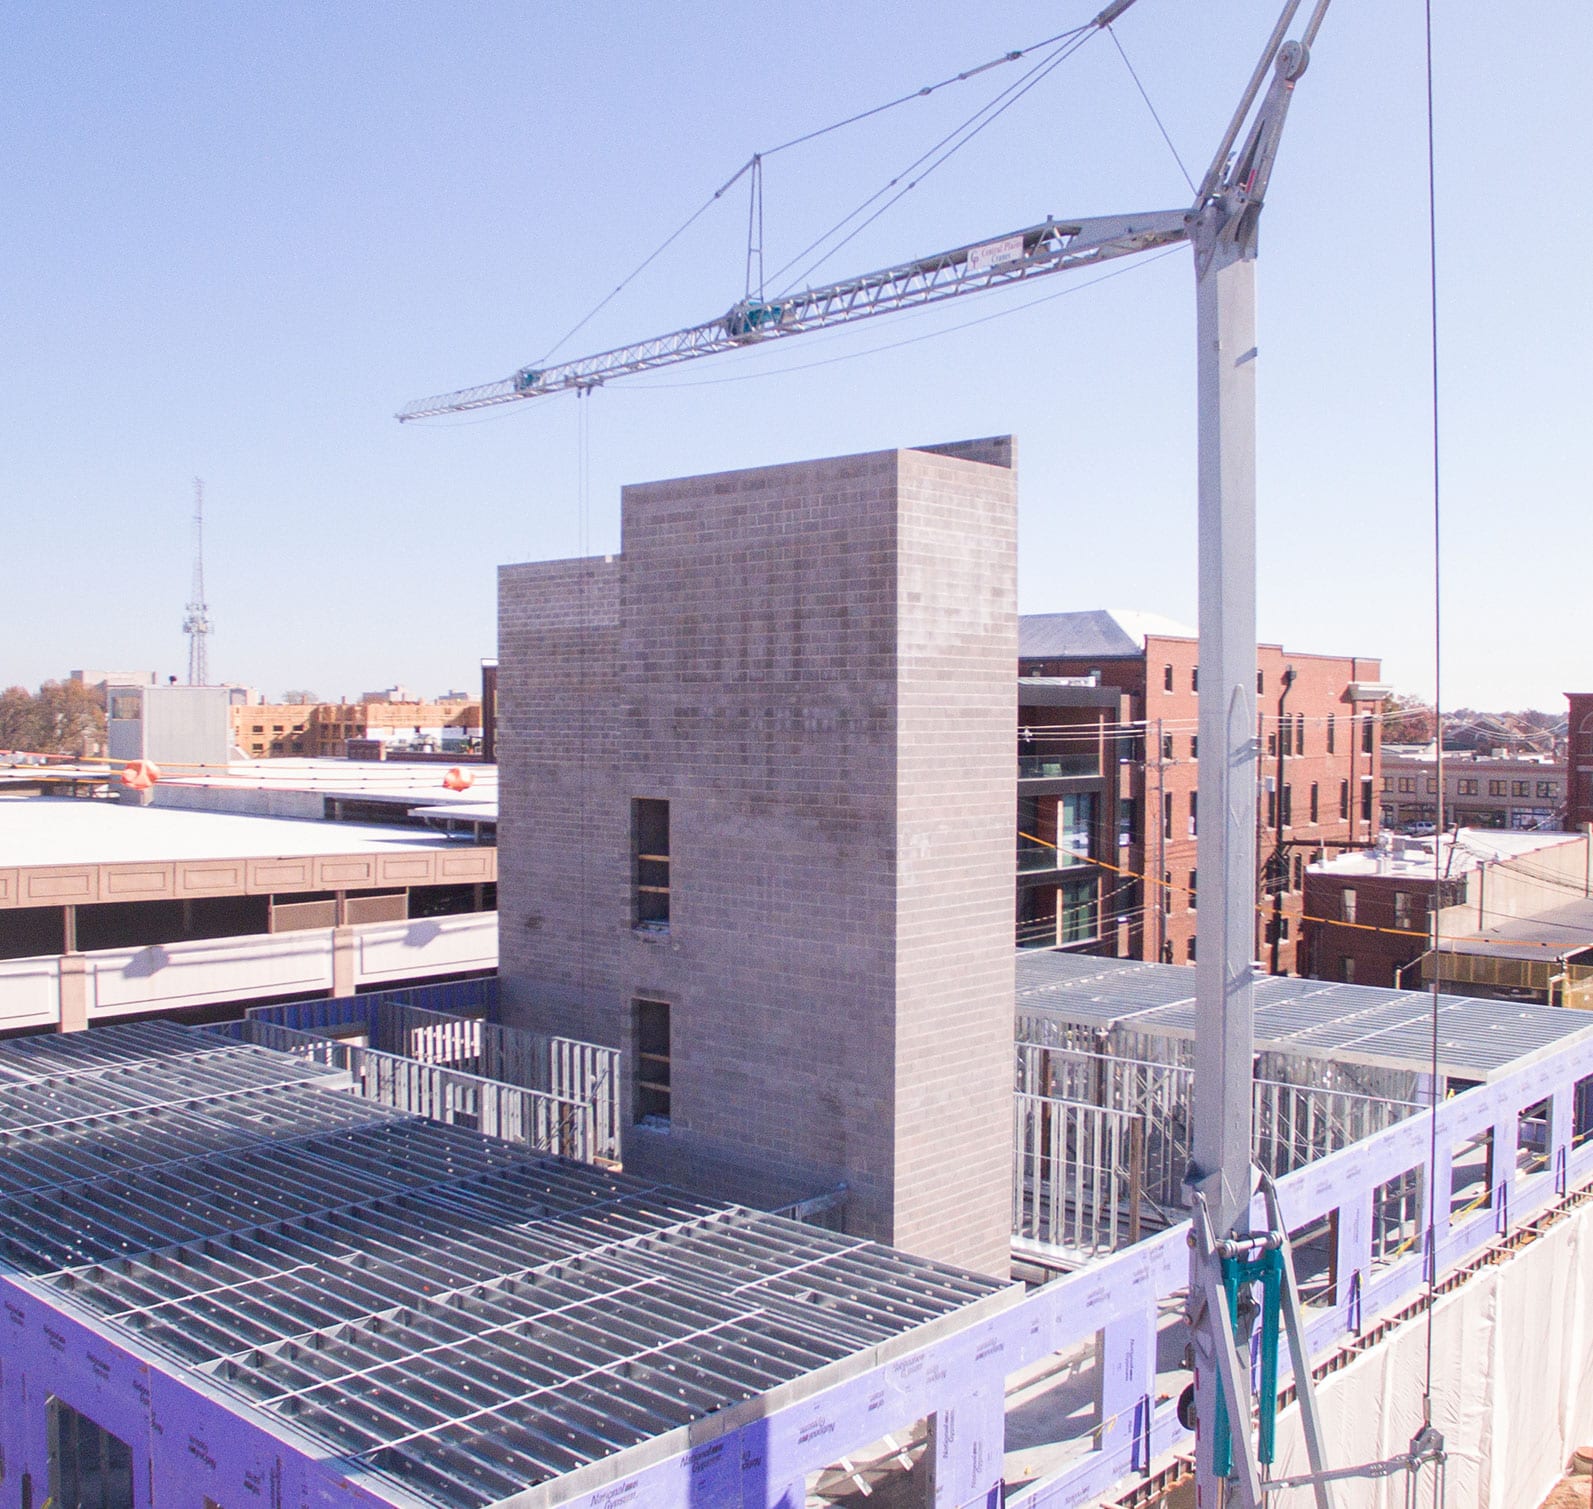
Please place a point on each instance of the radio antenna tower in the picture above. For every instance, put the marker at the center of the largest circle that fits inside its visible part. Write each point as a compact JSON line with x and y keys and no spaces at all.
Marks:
{"x":196,"y":617}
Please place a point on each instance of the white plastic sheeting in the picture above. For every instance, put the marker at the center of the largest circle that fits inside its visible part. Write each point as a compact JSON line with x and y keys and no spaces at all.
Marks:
{"x":1512,"y":1385}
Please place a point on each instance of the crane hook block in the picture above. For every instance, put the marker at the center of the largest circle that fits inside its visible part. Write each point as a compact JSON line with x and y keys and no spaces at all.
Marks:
{"x":751,"y":318}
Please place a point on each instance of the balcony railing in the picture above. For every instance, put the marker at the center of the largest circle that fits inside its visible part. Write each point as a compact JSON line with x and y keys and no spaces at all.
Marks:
{"x":1050,"y":765}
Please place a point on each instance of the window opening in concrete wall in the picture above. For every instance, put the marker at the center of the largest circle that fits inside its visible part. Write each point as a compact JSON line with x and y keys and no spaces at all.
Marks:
{"x":89,"y":1467}
{"x":1471,"y":1176}
{"x":1582,"y":1111}
{"x":652,"y":1063}
{"x":1396,"y":1218}
{"x":1532,"y":1139}
{"x":650,"y":846}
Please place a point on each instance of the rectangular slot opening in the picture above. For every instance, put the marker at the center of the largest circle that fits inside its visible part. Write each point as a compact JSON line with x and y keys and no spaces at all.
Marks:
{"x":89,"y":1467}
{"x":652,"y":1063}
{"x":1471,"y":1176}
{"x":1582,"y":1111}
{"x":1533,"y":1140}
{"x":1316,"y":1260}
{"x":1397,"y":1214}
{"x":650,"y":862}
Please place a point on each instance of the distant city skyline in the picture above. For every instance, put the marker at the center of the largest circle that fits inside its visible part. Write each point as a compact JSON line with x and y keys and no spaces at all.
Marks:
{"x":239,"y":242}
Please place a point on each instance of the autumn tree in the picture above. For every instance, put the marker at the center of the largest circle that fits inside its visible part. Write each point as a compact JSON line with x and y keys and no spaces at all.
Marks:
{"x":1408,"y":720}
{"x":62,"y":717}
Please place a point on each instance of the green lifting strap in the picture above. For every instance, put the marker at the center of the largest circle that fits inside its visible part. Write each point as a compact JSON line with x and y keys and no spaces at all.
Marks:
{"x":1237,"y":1273}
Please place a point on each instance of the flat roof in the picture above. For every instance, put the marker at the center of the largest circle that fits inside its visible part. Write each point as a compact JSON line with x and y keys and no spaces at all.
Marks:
{"x":450,"y":1313}
{"x":1551,"y":934}
{"x":1351,"y":1024}
{"x":1459,"y":852}
{"x":38,"y":831}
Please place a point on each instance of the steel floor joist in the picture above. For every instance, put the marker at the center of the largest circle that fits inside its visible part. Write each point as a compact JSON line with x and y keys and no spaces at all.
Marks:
{"x":447,"y":1312}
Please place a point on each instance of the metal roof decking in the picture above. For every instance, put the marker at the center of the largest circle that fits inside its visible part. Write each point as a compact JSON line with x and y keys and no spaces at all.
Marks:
{"x":453,"y":1312}
{"x":1351,"y":1024}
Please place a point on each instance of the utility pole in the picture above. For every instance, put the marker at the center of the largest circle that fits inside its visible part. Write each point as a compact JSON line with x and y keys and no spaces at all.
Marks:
{"x":196,"y":617}
{"x":1278,"y":866}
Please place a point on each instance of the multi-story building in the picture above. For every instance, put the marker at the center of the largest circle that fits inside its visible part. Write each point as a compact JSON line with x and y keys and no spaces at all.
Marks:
{"x":1068,"y":813}
{"x":756,"y":803}
{"x":1319,"y":731}
{"x":1520,"y":792}
{"x":1579,"y":760}
{"x":1513,"y":914}
{"x":326,"y":729}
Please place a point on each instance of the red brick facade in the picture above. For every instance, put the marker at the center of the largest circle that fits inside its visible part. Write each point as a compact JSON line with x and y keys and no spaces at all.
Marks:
{"x":1327,"y":798}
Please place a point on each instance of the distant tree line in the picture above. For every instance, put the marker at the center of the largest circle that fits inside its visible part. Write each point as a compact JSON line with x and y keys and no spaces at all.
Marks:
{"x":1411,"y":720}
{"x":62,"y":717}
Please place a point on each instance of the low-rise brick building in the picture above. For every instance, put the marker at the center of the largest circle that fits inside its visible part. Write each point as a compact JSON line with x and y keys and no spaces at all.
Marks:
{"x":270,"y":730}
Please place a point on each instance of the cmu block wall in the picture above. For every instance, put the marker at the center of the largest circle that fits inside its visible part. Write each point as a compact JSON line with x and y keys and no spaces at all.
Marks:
{"x":813,"y":665}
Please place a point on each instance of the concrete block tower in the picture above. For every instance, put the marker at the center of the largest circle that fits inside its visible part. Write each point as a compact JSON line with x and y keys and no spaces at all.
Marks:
{"x":757,"y":796}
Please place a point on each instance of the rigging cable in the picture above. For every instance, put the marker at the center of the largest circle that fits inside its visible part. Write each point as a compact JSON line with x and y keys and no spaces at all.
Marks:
{"x":1431,"y":1264}
{"x":1154,"y":116}
{"x":958,"y":137}
{"x":1011,"y":56}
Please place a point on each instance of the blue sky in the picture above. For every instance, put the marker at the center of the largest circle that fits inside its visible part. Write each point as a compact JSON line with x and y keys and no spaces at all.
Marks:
{"x":238,"y":239}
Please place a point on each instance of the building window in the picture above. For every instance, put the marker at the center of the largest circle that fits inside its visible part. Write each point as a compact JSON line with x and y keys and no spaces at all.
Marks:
{"x":1366,"y":735}
{"x":1126,"y":813}
{"x":1167,"y":746}
{"x":1167,"y":678}
{"x":652,"y":1062}
{"x":1299,"y":733}
{"x":1496,"y":788}
{"x":89,"y":1467}
{"x":1167,"y":893}
{"x":1402,"y":910}
{"x":1467,"y":787}
{"x":1519,"y":788}
{"x":1347,"y":904}
{"x":1388,"y":783}
{"x":1286,"y":735}
{"x":1288,"y":806}
{"x":1194,"y":678}
{"x":1407,"y":783}
{"x":1272,"y":807}
{"x":1344,"y":800}
{"x":1194,"y":813}
{"x":1272,"y":743}
{"x":1366,"y":798}
{"x":1194,"y":746}
{"x":1167,"y":815}
{"x":1261,"y":682}
{"x":1332,"y":740}
{"x":1299,"y":871}
{"x":1347,"y":969}
{"x":1432,"y":785}
{"x":1314,"y":801}
{"x":650,"y":855}
{"x":1189,"y":950}
{"x":1194,"y":888}
{"x":1547,"y":788}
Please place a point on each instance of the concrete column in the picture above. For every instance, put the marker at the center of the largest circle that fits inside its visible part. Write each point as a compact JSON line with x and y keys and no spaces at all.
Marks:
{"x":73,"y":992}
{"x":343,"y":960}
{"x":966,"y":1442}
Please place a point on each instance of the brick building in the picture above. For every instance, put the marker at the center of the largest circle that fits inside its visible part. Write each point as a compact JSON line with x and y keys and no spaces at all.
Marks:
{"x":1579,"y":760}
{"x":1068,"y":814}
{"x":755,"y":826}
{"x":270,"y":730}
{"x":1521,"y":792}
{"x":1320,"y":744}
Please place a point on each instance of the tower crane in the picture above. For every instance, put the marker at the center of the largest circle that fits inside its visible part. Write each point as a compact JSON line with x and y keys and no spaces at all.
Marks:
{"x":1229,"y":1257}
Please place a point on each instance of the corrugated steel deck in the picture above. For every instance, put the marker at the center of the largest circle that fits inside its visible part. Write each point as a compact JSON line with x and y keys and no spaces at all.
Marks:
{"x":1353,"y":1024}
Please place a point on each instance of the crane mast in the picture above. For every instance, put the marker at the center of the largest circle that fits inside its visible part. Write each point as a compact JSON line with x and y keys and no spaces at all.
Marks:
{"x":1226,"y":1254}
